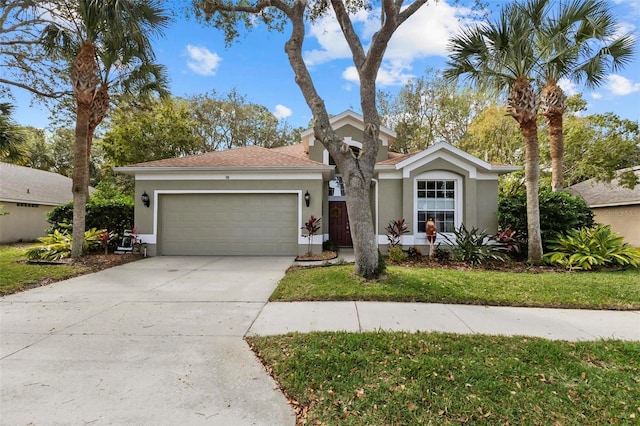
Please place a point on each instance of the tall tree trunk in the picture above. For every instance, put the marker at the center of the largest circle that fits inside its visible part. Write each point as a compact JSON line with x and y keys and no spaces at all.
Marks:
{"x":556,"y":146}
{"x":523,"y":107}
{"x":85,"y":80}
{"x":553,"y":108}
{"x":361,"y":224}
{"x":532,"y":178}
{"x":80,"y":179}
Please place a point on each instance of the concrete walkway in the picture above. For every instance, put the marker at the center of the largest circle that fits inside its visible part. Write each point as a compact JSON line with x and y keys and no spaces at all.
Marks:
{"x":154,"y":342}
{"x":554,"y":324}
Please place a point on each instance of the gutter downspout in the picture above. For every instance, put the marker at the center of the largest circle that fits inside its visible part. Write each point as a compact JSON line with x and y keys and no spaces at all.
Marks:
{"x":375,"y":181}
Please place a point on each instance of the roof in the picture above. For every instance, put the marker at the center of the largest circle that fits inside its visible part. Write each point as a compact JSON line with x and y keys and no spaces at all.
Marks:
{"x":601,"y":194}
{"x":244,"y":157}
{"x":296,"y":150}
{"x":26,"y":185}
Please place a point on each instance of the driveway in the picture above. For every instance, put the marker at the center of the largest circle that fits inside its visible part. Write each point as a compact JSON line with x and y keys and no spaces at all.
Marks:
{"x":153,"y":342}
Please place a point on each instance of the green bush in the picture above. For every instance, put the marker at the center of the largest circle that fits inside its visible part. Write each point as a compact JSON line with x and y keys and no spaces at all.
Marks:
{"x":57,"y":244}
{"x":587,"y":248}
{"x":103,"y":212}
{"x":473,"y":246}
{"x":396,"y":254}
{"x":559,"y":213}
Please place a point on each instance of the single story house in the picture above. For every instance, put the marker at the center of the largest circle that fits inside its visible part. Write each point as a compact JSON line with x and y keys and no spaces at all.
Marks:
{"x":613,"y":205}
{"x":255,"y":201}
{"x":28,"y":195}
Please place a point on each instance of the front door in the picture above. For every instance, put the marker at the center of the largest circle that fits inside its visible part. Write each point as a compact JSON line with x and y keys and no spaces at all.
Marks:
{"x":339,"y":224}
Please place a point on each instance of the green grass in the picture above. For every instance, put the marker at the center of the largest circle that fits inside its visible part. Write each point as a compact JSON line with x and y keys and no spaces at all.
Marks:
{"x":16,"y":274}
{"x":392,"y":378}
{"x":586,"y":290}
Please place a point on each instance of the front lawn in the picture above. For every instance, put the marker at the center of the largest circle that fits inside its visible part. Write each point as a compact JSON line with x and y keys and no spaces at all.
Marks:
{"x":16,"y":274}
{"x":393,"y":378}
{"x":586,"y":290}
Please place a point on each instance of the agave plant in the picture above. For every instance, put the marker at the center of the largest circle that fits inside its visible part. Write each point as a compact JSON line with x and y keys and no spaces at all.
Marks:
{"x":473,"y":246}
{"x":588,"y":248}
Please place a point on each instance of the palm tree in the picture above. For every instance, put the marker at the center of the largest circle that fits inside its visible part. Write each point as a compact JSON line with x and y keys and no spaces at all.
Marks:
{"x":501,"y":56}
{"x":578,"y":44}
{"x":12,"y":139}
{"x":99,"y":38}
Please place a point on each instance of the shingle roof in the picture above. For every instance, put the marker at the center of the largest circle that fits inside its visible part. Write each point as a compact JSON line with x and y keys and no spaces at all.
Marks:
{"x":394,"y":158}
{"x":296,"y":150}
{"x":250,"y":156}
{"x":603,"y":194}
{"x":26,"y":185}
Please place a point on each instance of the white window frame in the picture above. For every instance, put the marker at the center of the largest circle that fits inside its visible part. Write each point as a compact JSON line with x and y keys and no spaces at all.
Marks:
{"x":421,"y":237}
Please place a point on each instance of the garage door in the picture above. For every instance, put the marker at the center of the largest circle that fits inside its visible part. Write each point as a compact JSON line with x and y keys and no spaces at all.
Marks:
{"x":228,"y":224}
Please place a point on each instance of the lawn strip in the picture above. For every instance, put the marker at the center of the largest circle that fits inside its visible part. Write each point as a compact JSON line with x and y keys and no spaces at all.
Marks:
{"x":436,"y":378}
{"x":618,"y":290}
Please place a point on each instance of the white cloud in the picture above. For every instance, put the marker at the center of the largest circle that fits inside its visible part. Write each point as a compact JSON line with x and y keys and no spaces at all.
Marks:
{"x":425,"y":34}
{"x":596,"y":95}
{"x":390,"y":74}
{"x":620,"y":86}
{"x":568,"y":86}
{"x":282,"y":111}
{"x":202,"y":61}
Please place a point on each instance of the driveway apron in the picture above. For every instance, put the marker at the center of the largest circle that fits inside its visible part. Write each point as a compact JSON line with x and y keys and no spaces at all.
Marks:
{"x":153,"y":342}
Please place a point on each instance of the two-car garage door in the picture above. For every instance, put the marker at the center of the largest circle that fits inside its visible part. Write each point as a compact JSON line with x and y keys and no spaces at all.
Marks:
{"x":228,"y":224}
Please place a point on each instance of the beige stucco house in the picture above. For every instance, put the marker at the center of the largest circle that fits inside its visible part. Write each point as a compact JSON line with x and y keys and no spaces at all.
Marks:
{"x":28,"y":195}
{"x":254,"y":201}
{"x":613,"y":205}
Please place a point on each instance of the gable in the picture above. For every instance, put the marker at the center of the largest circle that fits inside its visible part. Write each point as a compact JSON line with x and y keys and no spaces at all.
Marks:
{"x":445,"y":156}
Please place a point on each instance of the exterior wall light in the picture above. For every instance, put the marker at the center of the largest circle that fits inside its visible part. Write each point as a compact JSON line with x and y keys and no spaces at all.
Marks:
{"x":145,"y":199}
{"x":307,"y":198}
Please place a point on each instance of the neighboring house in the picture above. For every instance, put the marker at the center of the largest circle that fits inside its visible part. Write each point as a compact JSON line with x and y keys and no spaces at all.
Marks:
{"x":28,"y":195}
{"x":613,"y":205}
{"x":253,"y":201}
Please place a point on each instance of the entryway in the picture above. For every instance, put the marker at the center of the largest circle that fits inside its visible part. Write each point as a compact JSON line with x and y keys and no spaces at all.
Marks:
{"x":339,"y":224}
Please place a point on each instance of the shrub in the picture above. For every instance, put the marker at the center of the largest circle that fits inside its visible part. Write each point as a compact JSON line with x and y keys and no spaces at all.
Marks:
{"x":113,"y":215}
{"x":510,"y":243}
{"x":587,"y":248}
{"x":442,"y":254}
{"x":382,"y":265}
{"x":396,"y":254}
{"x":330,"y":245}
{"x":57,"y":244}
{"x":473,"y":246}
{"x":395,"y":230}
{"x":414,"y":253}
{"x":559,"y":213}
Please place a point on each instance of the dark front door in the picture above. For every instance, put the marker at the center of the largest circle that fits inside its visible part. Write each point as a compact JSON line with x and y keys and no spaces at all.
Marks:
{"x":339,"y":224}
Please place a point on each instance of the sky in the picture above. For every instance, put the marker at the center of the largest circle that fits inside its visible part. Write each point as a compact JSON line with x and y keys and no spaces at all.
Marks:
{"x":257,"y":67}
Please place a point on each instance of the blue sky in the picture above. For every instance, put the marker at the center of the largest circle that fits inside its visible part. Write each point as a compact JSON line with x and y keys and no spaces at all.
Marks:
{"x":257,"y":66}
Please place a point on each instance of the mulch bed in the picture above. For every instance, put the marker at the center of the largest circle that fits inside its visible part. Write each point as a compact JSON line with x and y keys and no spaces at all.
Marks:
{"x":325,"y":255}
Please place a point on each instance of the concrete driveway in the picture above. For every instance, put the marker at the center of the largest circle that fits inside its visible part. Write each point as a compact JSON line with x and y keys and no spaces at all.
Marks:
{"x":153,"y":342}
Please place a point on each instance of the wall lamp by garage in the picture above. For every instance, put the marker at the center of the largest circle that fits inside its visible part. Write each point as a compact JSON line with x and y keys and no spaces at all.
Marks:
{"x":145,"y":199}
{"x":307,"y":198}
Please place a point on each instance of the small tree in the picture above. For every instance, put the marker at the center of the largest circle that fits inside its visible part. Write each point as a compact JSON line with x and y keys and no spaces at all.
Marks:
{"x":312,"y":226}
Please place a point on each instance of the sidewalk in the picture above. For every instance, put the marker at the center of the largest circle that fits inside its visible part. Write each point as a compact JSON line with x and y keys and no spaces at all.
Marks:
{"x":554,"y":324}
